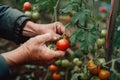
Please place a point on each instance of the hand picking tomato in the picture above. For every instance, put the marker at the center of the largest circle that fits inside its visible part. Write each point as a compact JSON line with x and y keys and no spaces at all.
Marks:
{"x":56,"y":76}
{"x":104,"y":74}
{"x":94,"y":69}
{"x":53,"y":68}
{"x":27,"y":6}
{"x":62,"y":44}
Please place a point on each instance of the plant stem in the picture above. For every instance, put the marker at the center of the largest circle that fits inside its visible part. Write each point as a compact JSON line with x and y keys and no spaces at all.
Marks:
{"x":48,"y":73}
{"x":55,"y":10}
{"x":67,"y":72}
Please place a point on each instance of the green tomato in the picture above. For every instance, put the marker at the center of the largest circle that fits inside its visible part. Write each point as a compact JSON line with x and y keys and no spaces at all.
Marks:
{"x":65,"y":63}
{"x":101,"y":60}
{"x":100,"y":42}
{"x":103,"y":32}
{"x":77,"y":62}
{"x":58,"y":62}
{"x":35,"y":15}
{"x":28,"y":13}
{"x":62,"y":73}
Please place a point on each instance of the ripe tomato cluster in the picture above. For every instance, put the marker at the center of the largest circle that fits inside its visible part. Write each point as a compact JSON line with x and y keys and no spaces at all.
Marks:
{"x":58,"y":68}
{"x":55,"y":75}
{"x":96,"y":69}
{"x":30,"y":12}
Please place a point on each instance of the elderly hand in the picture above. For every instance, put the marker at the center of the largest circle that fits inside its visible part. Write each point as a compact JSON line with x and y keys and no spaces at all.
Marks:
{"x":32,"y":29}
{"x":33,"y":51}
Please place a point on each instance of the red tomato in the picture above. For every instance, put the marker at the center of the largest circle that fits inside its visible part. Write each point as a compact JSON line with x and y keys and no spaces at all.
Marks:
{"x":102,"y":9}
{"x":53,"y":68}
{"x":56,"y":76}
{"x":94,"y":69}
{"x":62,"y":44}
{"x":27,"y":6}
{"x":104,"y":74}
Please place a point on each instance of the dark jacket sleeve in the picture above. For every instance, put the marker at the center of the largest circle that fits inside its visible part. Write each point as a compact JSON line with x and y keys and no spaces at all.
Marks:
{"x":5,"y":72}
{"x":12,"y":22}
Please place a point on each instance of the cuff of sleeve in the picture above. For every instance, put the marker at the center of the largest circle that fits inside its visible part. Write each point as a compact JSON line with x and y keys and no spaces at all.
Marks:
{"x":5,"y":71}
{"x":19,"y":25}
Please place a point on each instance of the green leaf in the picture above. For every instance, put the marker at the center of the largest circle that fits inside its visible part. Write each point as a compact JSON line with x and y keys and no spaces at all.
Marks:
{"x":73,"y":38}
{"x":80,"y":17}
{"x":76,"y":18}
{"x":67,"y":9}
{"x":78,"y":53}
{"x":75,"y":1}
{"x":80,"y":35}
{"x":89,"y":39}
{"x":113,"y":76}
{"x":116,"y":42}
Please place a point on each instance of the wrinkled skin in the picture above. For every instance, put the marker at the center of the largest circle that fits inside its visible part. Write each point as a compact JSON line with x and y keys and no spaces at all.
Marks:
{"x":34,"y":51}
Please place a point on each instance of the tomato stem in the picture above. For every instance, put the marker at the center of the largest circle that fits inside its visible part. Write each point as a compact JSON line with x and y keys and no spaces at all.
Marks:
{"x":47,"y":75}
{"x":64,"y":33}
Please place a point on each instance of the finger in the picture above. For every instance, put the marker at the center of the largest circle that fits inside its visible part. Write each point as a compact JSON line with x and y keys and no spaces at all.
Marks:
{"x":59,"y":28}
{"x":50,"y":61}
{"x":56,"y":36}
{"x":57,"y":54}
{"x":44,"y":38}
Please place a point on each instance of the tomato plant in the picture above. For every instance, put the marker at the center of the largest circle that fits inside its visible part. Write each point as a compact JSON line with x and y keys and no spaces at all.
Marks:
{"x":88,"y":26}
